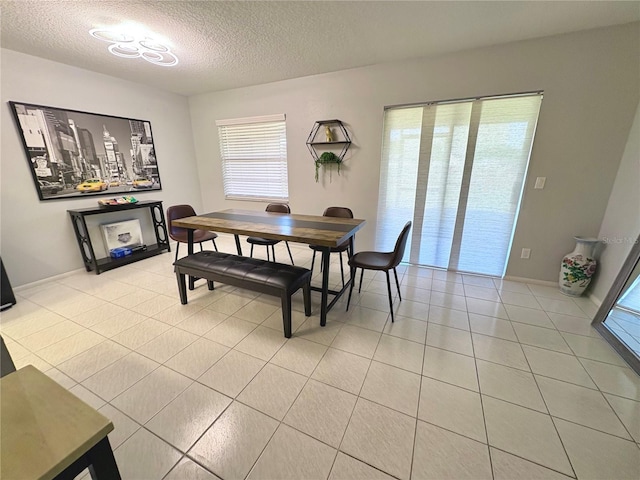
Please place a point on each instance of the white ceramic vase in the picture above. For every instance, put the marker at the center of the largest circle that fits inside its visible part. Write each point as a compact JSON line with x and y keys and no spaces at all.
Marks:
{"x":578,"y":267}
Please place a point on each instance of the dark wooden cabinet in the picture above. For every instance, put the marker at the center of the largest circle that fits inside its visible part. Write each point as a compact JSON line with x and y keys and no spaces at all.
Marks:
{"x":100,"y":265}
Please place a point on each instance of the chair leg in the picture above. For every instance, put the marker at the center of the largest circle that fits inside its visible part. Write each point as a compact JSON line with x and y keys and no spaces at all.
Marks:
{"x":177,"y":249}
{"x":353,"y":274}
{"x":251,"y":254}
{"x":201,"y":249}
{"x":389,"y":291}
{"x":341,"y":270}
{"x":313,"y":260}
{"x":289,"y":250}
{"x":306,"y":293}
{"x":273,"y":252}
{"x":361,"y":275}
{"x":214,"y":244}
{"x":397,"y":284}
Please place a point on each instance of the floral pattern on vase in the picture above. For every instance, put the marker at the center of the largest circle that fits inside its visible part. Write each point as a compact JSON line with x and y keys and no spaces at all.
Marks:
{"x":577,"y":268}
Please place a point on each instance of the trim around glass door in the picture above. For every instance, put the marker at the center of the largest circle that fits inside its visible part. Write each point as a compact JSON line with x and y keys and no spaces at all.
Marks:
{"x":625,"y":278}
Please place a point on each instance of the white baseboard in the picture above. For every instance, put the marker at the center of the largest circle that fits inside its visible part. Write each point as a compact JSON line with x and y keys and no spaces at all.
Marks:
{"x":532,"y":280}
{"x":595,"y":299}
{"x":44,"y":281}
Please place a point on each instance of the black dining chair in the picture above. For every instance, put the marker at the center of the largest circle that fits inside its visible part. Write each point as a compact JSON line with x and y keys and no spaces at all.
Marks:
{"x":336,"y":212}
{"x":180,"y":235}
{"x":277,"y":208}
{"x":380,"y":261}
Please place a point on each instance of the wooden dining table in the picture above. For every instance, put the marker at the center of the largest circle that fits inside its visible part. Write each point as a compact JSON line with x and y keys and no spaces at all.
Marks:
{"x":324,"y":232}
{"x":49,"y":433}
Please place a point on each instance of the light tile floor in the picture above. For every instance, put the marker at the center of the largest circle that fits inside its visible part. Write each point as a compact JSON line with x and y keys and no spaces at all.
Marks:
{"x":477,"y":378}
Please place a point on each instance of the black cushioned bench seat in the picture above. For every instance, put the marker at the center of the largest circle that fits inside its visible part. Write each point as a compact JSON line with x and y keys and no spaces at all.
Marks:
{"x":271,"y":278}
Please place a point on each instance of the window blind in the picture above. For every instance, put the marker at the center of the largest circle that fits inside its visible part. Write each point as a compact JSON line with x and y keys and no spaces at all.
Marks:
{"x":457,"y":170}
{"x":254,"y":158}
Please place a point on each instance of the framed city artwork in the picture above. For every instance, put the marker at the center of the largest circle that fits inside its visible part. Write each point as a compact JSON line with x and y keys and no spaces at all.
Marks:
{"x":73,"y":154}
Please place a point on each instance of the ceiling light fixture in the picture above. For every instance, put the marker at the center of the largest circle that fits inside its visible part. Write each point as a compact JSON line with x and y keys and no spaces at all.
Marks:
{"x":133,"y":46}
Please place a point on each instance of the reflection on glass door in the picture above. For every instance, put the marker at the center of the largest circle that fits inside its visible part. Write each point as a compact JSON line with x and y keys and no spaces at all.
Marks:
{"x":624,"y":319}
{"x":620,"y":311}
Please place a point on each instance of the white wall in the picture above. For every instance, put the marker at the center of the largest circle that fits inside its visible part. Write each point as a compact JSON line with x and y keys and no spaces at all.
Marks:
{"x":621,"y":224}
{"x":37,"y":239}
{"x":590,"y":81}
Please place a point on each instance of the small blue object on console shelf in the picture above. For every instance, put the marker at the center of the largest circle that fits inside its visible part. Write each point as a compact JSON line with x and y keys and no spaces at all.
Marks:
{"x":120,"y":252}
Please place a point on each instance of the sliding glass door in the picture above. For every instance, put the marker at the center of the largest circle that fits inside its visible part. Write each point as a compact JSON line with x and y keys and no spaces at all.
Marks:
{"x":457,"y":170}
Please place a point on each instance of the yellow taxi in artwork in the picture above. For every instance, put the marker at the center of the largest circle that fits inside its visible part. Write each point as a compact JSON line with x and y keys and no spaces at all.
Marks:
{"x":92,"y":185}
{"x":142,"y":183}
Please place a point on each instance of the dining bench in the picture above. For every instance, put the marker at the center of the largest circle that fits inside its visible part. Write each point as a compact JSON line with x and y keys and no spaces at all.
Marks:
{"x":261,"y":276}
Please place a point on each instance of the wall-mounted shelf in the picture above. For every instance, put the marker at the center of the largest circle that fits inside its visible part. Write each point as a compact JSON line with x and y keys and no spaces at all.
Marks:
{"x":317,"y":138}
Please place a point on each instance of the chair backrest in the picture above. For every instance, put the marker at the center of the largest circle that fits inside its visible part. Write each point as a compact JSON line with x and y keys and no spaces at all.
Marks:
{"x":340,"y":212}
{"x":401,"y":244}
{"x":176,"y":212}
{"x":278,"y":208}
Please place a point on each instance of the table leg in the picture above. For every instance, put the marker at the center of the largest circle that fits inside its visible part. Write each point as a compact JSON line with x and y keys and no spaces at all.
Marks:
{"x":192,"y":280}
{"x":238,"y":246}
{"x":102,"y":463}
{"x":326,"y":252}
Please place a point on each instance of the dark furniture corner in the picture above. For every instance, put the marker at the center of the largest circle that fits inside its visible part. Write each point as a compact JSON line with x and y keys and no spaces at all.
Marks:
{"x":8,"y":298}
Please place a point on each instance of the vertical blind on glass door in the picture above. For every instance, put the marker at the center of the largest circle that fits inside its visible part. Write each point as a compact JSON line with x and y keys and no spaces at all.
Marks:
{"x":254,"y":158}
{"x":456,"y":170}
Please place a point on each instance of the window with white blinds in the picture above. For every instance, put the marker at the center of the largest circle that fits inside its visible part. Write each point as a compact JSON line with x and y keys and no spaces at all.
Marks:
{"x":254,"y":158}
{"x":456,"y":170}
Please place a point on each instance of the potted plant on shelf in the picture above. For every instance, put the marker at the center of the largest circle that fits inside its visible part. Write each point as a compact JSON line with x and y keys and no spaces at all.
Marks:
{"x":327,"y":158}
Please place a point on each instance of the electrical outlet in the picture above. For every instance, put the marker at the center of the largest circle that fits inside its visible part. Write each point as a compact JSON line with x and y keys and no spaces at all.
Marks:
{"x":526,"y":253}
{"x":540,"y":181}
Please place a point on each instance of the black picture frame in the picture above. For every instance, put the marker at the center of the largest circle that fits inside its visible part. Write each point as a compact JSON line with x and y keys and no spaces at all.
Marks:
{"x":75,"y":154}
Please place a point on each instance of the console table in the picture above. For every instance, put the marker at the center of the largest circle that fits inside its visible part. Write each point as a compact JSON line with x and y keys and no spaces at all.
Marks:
{"x":100,"y":265}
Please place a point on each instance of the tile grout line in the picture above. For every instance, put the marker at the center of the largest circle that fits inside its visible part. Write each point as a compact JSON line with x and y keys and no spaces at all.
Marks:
{"x":308,"y":377}
{"x":555,"y":427}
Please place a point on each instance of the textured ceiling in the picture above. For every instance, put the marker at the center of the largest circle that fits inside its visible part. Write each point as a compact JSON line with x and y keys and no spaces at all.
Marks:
{"x":224,"y":45}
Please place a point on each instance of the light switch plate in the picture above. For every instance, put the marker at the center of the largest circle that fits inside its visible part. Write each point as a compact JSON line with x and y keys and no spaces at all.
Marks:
{"x":540,"y":181}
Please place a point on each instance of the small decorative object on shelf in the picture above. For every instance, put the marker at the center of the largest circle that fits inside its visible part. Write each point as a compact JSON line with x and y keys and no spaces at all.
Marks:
{"x":327,"y":158}
{"x":328,"y":133}
{"x":337,"y":139}
{"x":108,"y":202}
{"x":578,"y":267}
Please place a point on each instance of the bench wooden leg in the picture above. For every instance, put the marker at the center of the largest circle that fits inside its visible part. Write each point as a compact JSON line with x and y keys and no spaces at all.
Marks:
{"x":306,"y":294}
{"x":286,"y":314}
{"x":182,"y":288}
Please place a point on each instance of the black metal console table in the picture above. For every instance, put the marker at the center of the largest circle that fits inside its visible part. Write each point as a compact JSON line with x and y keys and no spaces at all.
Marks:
{"x":100,"y":265}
